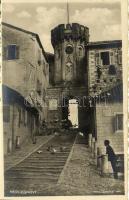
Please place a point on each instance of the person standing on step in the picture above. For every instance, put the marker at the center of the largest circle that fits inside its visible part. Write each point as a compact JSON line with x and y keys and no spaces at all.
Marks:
{"x":111,"y":157}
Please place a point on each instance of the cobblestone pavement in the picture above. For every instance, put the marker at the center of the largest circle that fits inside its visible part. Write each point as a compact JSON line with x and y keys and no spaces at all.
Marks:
{"x":26,"y":149}
{"x":81,"y":177}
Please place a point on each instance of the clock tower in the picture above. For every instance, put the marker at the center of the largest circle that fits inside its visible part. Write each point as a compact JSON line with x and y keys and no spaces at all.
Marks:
{"x":70,"y":59}
{"x":69,"y":73}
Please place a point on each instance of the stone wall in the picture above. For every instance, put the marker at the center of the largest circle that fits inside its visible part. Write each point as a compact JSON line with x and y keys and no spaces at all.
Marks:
{"x":21,"y":123}
{"x":101,"y":76}
{"x":58,"y":93}
{"x":29,"y":73}
{"x":105,"y":115}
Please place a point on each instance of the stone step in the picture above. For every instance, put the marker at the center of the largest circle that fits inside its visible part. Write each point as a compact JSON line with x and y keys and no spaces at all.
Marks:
{"x":40,"y":167}
{"x":57,"y":145}
{"x":58,"y":150}
{"x":50,"y":167}
{"x":32,"y":177}
{"x":53,"y":162}
{"x":56,"y":159}
{"x":32,"y":169}
{"x":44,"y":162}
{"x":51,"y":156}
{"x":38,"y":173}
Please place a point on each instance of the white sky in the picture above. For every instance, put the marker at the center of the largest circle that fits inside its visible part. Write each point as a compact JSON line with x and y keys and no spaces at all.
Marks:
{"x":73,"y":108}
{"x":103,"y":17}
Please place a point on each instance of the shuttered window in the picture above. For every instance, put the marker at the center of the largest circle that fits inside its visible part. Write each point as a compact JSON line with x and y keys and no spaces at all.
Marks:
{"x":105,"y":58}
{"x":97,"y":59}
{"x":119,"y":122}
{"x":112,"y":58}
{"x":120,"y":57}
{"x":11,"y":52}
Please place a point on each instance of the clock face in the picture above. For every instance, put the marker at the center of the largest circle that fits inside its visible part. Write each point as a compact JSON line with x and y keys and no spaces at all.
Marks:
{"x":69,"y":49}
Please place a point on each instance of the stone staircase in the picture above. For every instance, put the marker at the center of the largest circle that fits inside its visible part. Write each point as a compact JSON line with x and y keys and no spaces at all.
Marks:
{"x":82,"y":139}
{"x":43,"y":168}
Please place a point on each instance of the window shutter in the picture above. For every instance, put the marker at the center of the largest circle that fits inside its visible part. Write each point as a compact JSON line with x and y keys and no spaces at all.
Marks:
{"x":112,"y":61}
{"x":97,"y":59}
{"x":119,"y":57}
{"x":118,"y":121}
{"x":17,"y":52}
{"x":4,"y":53}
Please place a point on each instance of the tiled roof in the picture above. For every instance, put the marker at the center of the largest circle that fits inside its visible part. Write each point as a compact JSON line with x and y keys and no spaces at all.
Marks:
{"x":105,"y":44}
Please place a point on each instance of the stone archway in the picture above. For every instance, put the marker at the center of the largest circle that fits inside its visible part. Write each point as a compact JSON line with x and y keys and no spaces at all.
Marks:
{"x":83,"y":111}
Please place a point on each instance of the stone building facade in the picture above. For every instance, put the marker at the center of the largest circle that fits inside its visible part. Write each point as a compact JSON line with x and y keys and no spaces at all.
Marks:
{"x":105,"y":92}
{"x":109,"y":120}
{"x":82,"y":70}
{"x":105,"y":65}
{"x":69,"y":72}
{"x":109,"y":125}
{"x":78,"y":69}
{"x":91,"y":73}
{"x":20,"y":122}
{"x":26,"y":72}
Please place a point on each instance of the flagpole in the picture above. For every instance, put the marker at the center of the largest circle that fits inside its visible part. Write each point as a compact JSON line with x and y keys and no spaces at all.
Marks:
{"x":67,"y":12}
